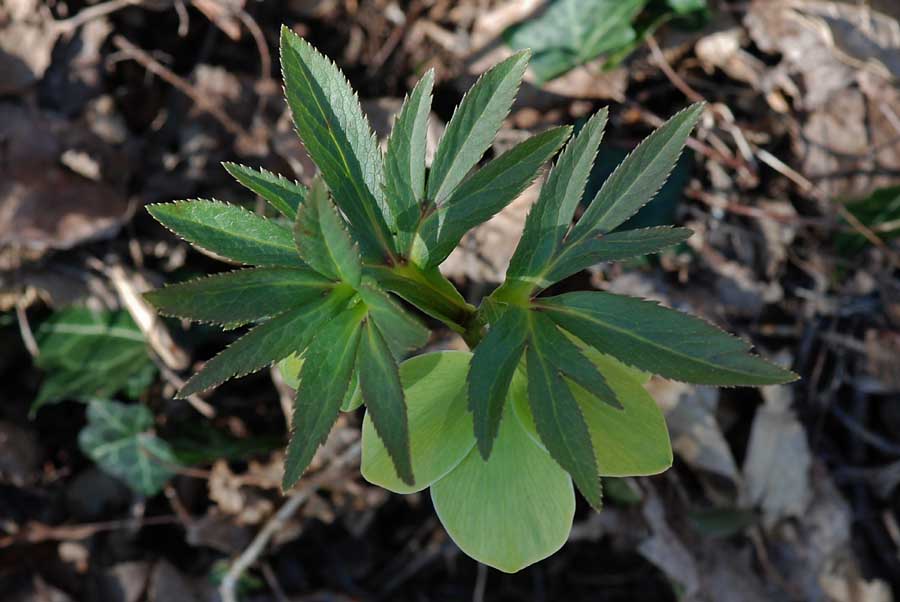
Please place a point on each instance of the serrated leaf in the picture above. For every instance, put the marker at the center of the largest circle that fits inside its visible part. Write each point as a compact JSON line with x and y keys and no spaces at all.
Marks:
{"x":510,"y":511}
{"x":382,"y":392}
{"x":493,"y":366}
{"x":283,"y":194}
{"x":229,"y":231}
{"x":550,"y":217}
{"x":290,"y":368}
{"x":660,"y":340}
{"x":324,"y":379}
{"x":118,"y":438}
{"x":637,"y":179}
{"x":339,"y":140}
{"x":404,"y":161}
{"x":560,"y":423}
{"x":560,"y":353}
{"x":474,"y":125}
{"x":322,"y":240}
{"x":632,"y":441}
{"x":266,"y":344}
{"x":482,"y":195}
{"x":440,"y":432}
{"x":614,"y":246}
{"x":402,"y":331}
{"x":241,"y":296}
{"x":87,"y":354}
{"x":427,"y":289}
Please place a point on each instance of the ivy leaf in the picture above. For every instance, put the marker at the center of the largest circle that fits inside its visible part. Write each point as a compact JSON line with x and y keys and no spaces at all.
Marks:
{"x":493,"y":366}
{"x":404,"y":168}
{"x":660,"y":340}
{"x":229,"y":231}
{"x":242,"y":296}
{"x":550,"y":218}
{"x":402,"y":332}
{"x":511,"y":510}
{"x":324,"y":379}
{"x":322,"y":240}
{"x":118,"y":437}
{"x":339,"y":140}
{"x":379,"y":383}
{"x":614,"y":246}
{"x":560,"y":423}
{"x":283,"y":194}
{"x":266,"y":344}
{"x":440,"y":432}
{"x":88,"y":354}
{"x":482,"y":195}
{"x":474,"y":125}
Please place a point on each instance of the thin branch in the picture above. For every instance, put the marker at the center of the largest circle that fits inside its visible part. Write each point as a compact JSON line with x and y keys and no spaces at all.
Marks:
{"x":25,"y":330}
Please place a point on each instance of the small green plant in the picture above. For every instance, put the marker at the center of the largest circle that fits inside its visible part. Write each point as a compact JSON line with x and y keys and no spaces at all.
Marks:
{"x":552,"y":391}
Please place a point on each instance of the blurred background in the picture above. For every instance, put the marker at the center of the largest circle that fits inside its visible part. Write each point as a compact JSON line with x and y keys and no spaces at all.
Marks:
{"x":791,"y":184}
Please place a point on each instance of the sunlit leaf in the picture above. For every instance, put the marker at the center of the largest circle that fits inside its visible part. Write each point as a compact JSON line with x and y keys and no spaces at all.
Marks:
{"x":281,"y":193}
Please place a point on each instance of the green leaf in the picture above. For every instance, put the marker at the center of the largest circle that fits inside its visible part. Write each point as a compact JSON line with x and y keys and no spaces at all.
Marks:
{"x":493,"y":366}
{"x":239,"y":297}
{"x":382,"y":392}
{"x":482,"y":195}
{"x":402,"y":331}
{"x":88,"y":355}
{"x":660,"y":340}
{"x":572,"y":32}
{"x":267,"y":343}
{"x":118,"y":437}
{"x":283,"y":194}
{"x":552,"y":214}
{"x":290,"y":368}
{"x":632,"y":441}
{"x":474,"y":125}
{"x":322,"y":240}
{"x":404,"y":167}
{"x":229,"y":231}
{"x":560,"y":423}
{"x":324,"y":379}
{"x":615,"y":246}
{"x":880,"y":211}
{"x":339,"y":140}
{"x":510,"y":511}
{"x":440,"y":432}
{"x":637,"y":179}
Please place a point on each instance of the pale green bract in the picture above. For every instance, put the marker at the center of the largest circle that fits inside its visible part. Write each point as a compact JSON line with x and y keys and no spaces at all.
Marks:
{"x":550,"y":398}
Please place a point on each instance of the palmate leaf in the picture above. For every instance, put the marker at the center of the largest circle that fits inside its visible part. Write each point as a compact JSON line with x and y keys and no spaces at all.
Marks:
{"x":241,"y":296}
{"x":267,"y":343}
{"x":322,"y":240}
{"x":281,"y":193}
{"x":660,"y":340}
{"x":119,"y":439}
{"x":402,"y":331}
{"x":404,"y":161}
{"x":324,"y":380}
{"x":474,"y":125}
{"x":339,"y":140}
{"x":482,"y":195}
{"x":229,"y":231}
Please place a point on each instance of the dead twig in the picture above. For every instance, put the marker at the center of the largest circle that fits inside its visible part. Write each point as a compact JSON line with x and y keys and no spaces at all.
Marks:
{"x":67,"y":26}
{"x":25,"y":330}
{"x":35,"y":532}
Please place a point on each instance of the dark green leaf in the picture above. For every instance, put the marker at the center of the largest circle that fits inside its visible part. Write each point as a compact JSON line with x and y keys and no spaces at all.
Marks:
{"x":324,"y":379}
{"x":338,"y":138}
{"x":660,"y":340}
{"x":379,"y":382}
{"x":493,"y":365}
{"x":322,"y":240}
{"x":229,"y":231}
{"x":281,"y":193}
{"x":404,"y":168}
{"x":482,"y":195}
{"x":615,"y":246}
{"x":119,"y":439}
{"x":402,"y":331}
{"x":267,"y":343}
{"x":241,"y":296}
{"x":560,"y":422}
{"x":881,"y":211}
{"x":474,"y":125}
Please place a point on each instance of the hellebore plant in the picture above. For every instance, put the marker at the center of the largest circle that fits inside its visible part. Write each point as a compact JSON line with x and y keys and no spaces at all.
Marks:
{"x":552,"y":391}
